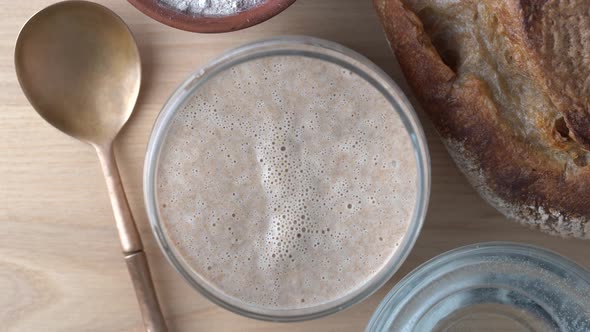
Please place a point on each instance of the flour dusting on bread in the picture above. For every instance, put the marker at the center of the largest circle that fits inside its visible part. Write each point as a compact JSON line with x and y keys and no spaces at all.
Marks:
{"x":537,"y":217}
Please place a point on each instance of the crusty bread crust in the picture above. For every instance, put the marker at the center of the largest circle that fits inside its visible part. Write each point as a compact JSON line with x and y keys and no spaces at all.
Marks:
{"x":530,"y":165}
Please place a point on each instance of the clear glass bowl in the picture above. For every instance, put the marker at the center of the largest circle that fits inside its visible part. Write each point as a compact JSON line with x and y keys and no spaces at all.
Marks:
{"x":497,"y":286}
{"x":304,"y":47}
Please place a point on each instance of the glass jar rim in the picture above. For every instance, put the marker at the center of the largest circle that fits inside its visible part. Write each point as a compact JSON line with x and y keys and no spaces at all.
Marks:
{"x":298,"y":46}
{"x":398,"y":307}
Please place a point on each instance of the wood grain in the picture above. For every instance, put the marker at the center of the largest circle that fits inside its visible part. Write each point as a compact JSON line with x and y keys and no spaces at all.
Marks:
{"x":60,"y":262}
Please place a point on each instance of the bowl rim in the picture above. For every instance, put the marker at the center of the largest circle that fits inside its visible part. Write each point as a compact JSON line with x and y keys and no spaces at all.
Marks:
{"x":394,"y":303}
{"x":210,"y":24}
{"x":269,"y":47}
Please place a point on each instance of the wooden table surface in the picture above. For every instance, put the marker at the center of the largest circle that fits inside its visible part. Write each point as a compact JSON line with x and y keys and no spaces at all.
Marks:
{"x":60,"y":263}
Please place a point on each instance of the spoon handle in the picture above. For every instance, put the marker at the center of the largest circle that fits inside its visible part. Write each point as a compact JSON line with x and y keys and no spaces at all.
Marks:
{"x":137,"y":264}
{"x":153,"y":320}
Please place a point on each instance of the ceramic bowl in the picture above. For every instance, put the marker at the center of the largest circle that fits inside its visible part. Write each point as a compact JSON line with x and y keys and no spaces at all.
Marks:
{"x":185,"y":20}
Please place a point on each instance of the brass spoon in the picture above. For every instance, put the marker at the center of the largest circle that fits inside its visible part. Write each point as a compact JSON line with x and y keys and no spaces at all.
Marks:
{"x":79,"y":66}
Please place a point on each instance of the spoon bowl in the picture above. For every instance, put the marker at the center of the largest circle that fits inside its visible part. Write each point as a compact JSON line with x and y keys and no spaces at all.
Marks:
{"x":79,"y":66}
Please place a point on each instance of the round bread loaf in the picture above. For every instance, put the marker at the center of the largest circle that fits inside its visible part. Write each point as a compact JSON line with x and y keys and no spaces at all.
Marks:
{"x":507,"y":85}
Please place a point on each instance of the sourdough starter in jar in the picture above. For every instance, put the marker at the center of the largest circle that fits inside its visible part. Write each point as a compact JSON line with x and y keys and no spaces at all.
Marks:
{"x":286,"y":182}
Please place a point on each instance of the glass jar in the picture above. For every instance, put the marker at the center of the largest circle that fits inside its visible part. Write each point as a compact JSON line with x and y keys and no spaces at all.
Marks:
{"x":499,"y":286}
{"x":300,"y":47}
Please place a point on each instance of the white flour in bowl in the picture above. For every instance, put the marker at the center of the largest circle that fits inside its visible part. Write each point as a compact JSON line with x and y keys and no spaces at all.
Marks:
{"x":213,"y":7}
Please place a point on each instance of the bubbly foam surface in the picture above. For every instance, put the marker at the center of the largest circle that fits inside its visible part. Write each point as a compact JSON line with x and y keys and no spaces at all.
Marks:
{"x":286,"y":182}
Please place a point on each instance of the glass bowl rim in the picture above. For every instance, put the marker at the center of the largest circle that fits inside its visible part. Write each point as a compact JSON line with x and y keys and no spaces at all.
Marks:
{"x":459,"y":257}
